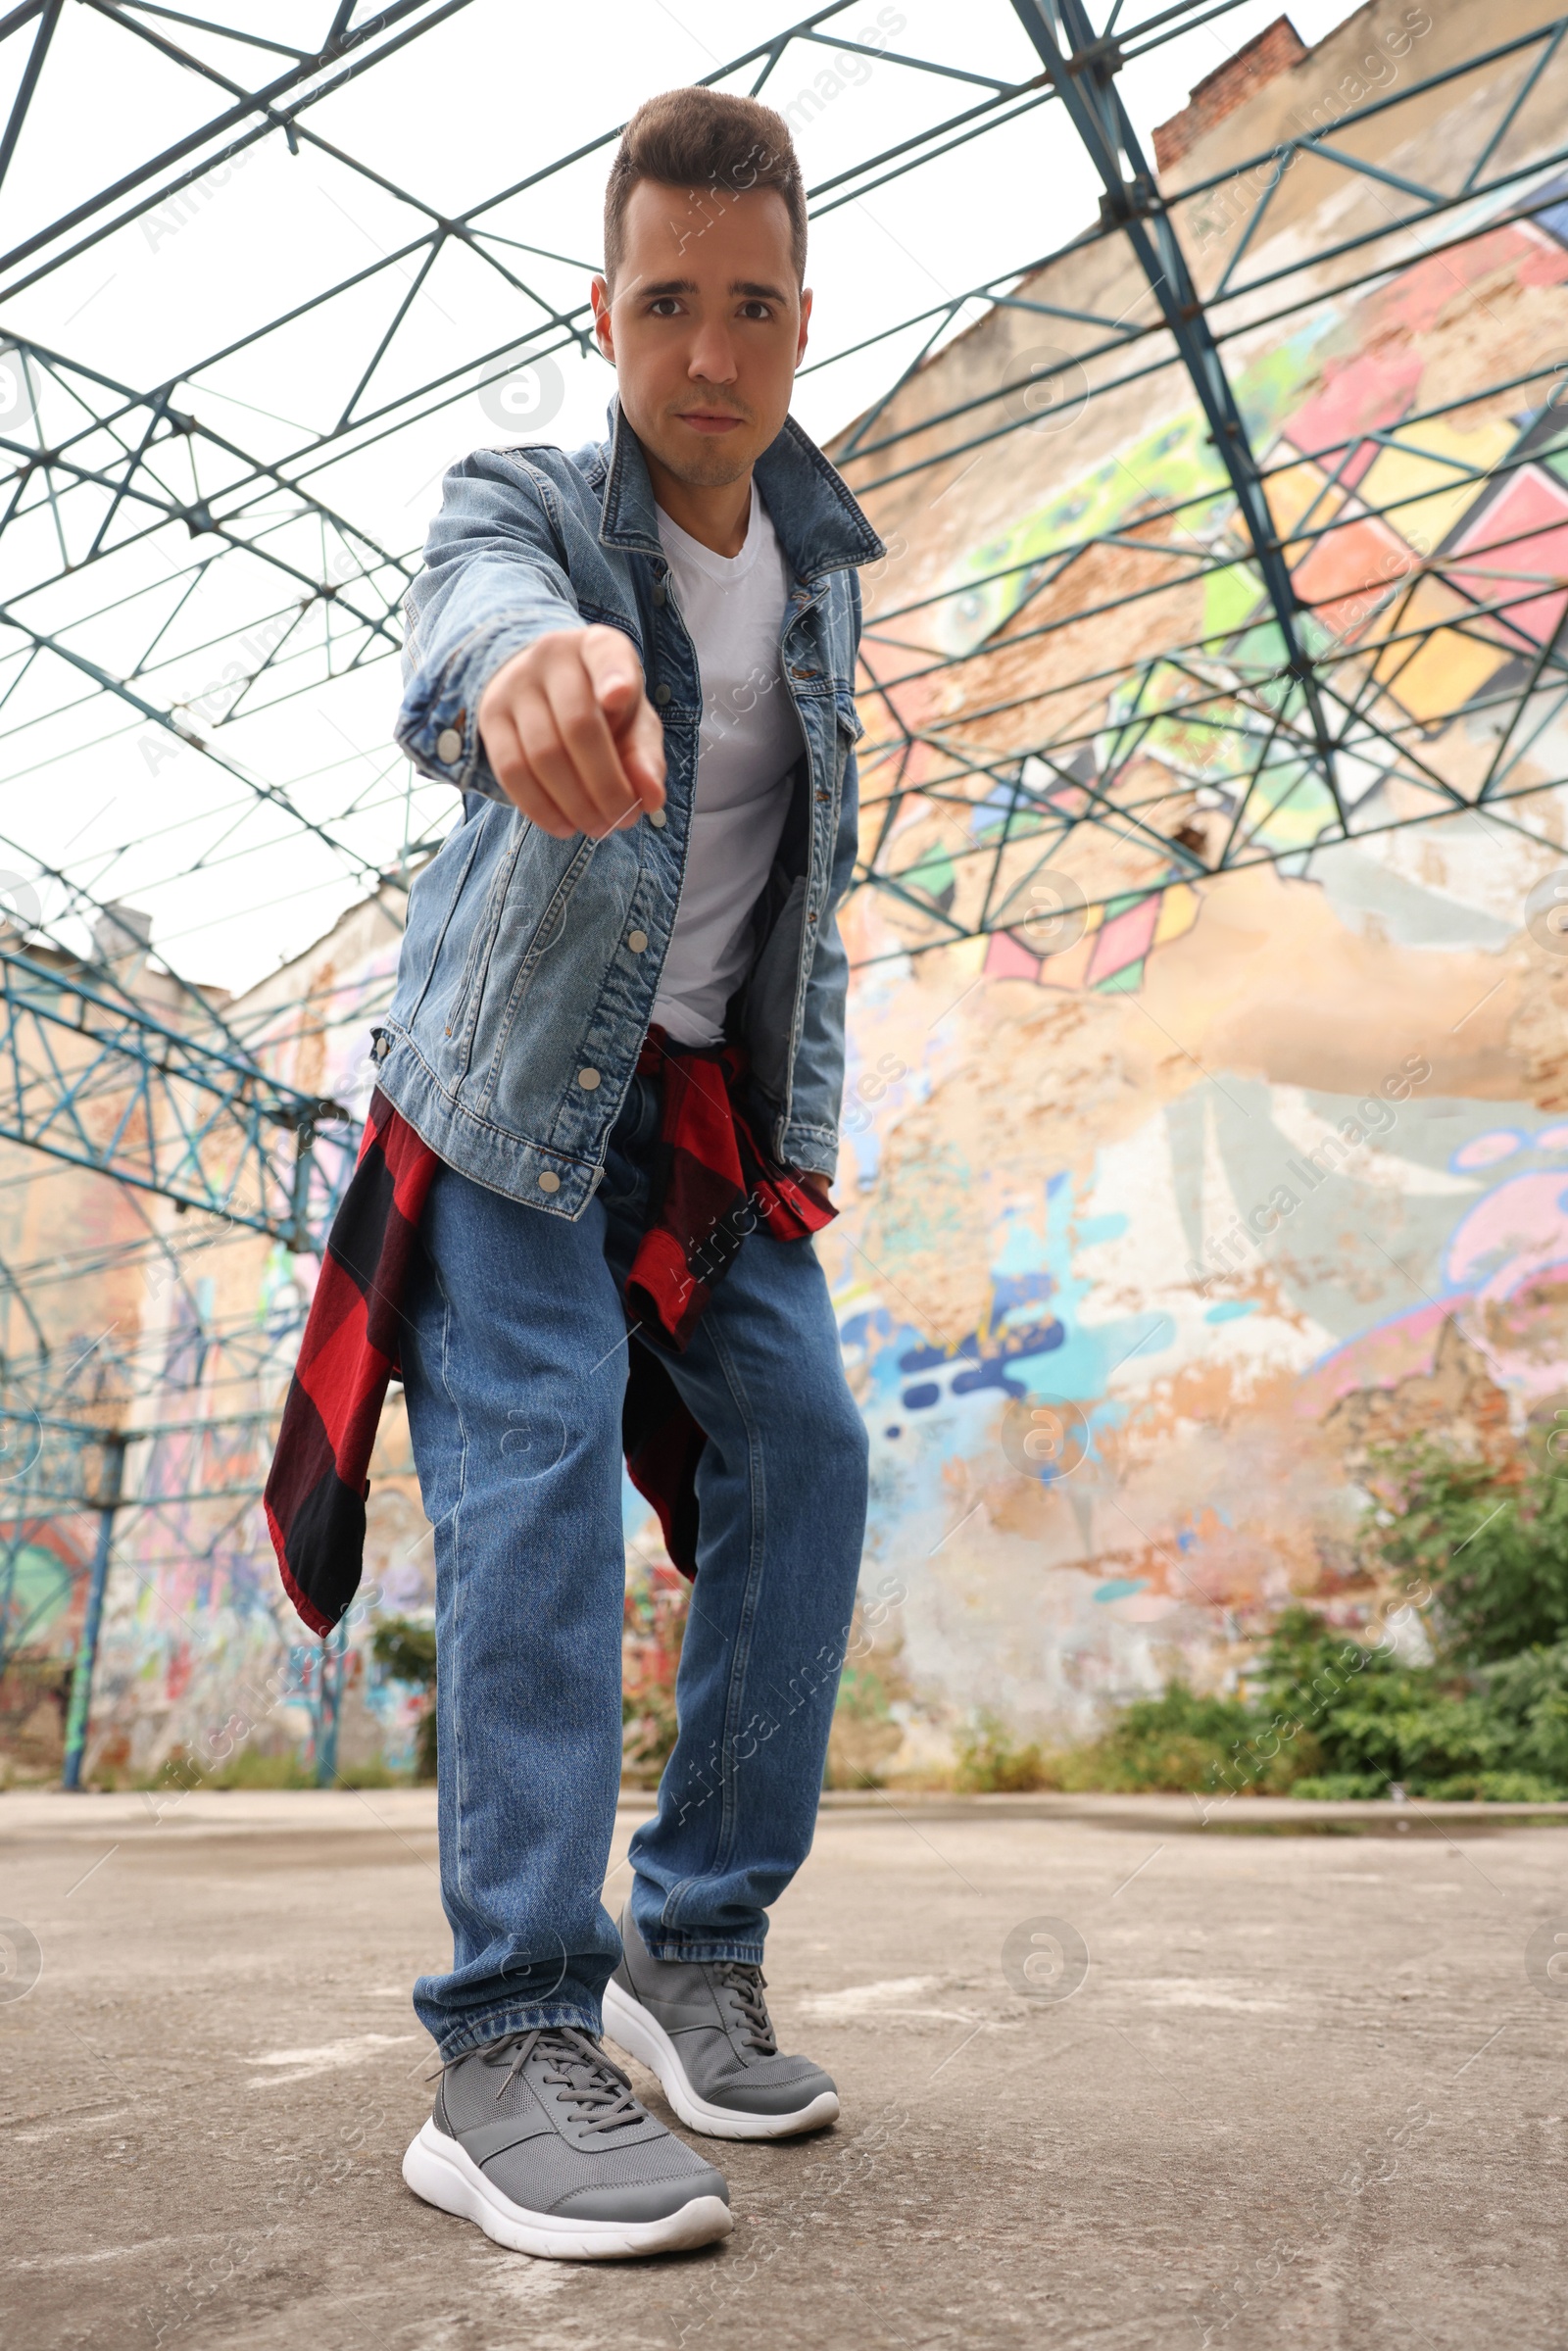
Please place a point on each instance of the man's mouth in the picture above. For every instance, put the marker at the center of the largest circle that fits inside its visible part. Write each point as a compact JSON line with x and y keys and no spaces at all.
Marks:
{"x":709,"y":420}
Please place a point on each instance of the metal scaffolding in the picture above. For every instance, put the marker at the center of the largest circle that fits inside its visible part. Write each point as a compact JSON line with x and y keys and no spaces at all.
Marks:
{"x":1010,"y":769}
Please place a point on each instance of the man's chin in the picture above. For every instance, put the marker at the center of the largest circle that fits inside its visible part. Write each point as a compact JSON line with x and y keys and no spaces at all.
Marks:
{"x":706,"y":463}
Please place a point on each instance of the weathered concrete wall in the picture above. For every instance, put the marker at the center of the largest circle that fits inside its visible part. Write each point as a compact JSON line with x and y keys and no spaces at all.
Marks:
{"x":149,"y":1319}
{"x":1145,"y":1241}
{"x":1092,"y":1205}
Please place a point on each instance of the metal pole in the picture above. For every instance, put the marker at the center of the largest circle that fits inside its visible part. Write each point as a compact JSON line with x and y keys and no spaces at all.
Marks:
{"x":299,"y":1234}
{"x":329,"y":1704}
{"x":88,"y":1653}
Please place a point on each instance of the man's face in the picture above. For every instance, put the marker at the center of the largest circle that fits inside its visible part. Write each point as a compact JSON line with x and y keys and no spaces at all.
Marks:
{"x":705,"y":327}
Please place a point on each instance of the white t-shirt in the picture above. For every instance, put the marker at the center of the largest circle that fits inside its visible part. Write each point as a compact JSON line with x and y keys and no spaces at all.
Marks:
{"x":750,"y":738}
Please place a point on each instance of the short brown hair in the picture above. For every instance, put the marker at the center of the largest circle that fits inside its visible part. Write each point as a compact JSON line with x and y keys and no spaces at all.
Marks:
{"x":704,"y":140}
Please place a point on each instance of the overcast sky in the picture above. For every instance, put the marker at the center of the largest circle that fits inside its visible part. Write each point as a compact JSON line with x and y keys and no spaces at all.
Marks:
{"x":493,"y":96}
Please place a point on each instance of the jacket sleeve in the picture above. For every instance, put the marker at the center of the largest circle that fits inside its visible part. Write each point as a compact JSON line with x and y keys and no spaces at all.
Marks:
{"x":810,"y":1141}
{"x":494,"y":580}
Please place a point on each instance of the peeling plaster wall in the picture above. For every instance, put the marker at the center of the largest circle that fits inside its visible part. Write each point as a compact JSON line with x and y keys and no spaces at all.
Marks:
{"x":200,"y":1651}
{"x":1264,"y":1167}
{"x":1120,"y":1341}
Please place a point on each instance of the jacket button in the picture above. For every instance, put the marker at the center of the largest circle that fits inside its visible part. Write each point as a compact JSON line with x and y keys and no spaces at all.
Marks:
{"x":658,"y":819}
{"x":661,"y":694}
{"x":658,"y":592}
{"x":587,"y":1079}
{"x":637,"y":940}
{"x":448,"y":746}
{"x":548,"y":1182}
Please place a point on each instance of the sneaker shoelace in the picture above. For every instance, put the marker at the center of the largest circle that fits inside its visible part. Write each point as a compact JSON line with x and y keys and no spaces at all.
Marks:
{"x":599,"y":2090}
{"x":746,"y":1983}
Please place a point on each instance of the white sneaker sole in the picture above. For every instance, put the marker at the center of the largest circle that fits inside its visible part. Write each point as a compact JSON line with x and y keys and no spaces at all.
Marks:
{"x":444,"y":2173}
{"x":643,"y":2037}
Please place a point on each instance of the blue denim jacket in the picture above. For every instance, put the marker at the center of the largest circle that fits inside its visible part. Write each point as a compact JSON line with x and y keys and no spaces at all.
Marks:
{"x":529,"y":965}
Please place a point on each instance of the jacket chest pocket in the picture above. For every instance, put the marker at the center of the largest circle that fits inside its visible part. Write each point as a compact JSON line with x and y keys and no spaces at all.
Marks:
{"x":516,"y":929}
{"x":516,"y":973}
{"x":464,"y":1004}
{"x":846,"y":732}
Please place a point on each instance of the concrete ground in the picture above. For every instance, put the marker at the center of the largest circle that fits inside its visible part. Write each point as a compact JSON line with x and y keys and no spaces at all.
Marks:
{"x":1305,"y":2089}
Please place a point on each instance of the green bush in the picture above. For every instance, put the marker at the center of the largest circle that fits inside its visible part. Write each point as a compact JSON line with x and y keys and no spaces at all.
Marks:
{"x":247,"y":1769}
{"x":1490,"y":1549}
{"x":1481,"y":1551}
{"x":1175,"y":1744}
{"x":1369,"y":1716}
{"x":989,"y":1764}
{"x":1528,"y":1695}
{"x":406,"y":1651}
{"x":1497,"y":1788}
{"x":866,"y":1731}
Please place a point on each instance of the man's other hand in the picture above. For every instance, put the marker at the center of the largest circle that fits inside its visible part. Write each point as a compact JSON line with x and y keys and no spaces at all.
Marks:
{"x":571,"y":737}
{"x":820,"y":1187}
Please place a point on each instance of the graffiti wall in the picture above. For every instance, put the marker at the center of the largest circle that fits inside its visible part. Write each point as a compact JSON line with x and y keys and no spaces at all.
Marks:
{"x":1153,"y":1222}
{"x":179,"y":1331}
{"x":1158,"y":1217}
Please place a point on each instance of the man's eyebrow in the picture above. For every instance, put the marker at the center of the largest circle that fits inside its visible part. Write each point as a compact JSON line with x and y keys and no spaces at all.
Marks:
{"x":748,"y":288}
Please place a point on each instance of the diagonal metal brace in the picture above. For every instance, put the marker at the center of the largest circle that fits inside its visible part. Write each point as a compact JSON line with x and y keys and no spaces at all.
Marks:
{"x":1083,"y":68}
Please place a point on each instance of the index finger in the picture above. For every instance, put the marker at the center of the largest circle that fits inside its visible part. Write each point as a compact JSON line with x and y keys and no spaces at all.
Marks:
{"x":584,"y":757}
{"x":611,"y":662}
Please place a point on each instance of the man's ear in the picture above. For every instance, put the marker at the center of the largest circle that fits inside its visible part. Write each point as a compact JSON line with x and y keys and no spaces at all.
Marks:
{"x":806,"y":319}
{"x":604,"y":324}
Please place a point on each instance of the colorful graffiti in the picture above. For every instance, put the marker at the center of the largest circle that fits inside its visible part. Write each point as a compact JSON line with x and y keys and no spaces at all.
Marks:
{"x":1502,"y":1278}
{"x":1119,"y":1356}
{"x":1253,"y":1169}
{"x":1428,"y":543}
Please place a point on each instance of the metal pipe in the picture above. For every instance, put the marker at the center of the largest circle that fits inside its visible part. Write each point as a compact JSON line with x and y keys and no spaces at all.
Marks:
{"x":87,"y":1652}
{"x":329,"y":1703}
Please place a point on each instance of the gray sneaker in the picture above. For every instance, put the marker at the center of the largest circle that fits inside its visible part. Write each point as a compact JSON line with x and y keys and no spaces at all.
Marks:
{"x":538,"y":2138}
{"x":703,"y":2026}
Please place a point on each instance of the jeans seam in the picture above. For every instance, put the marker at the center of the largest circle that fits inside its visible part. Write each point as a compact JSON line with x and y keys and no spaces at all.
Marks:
{"x":746,"y":1614}
{"x":454,"y":1709}
{"x":748,"y":1951}
{"x":476,"y":2032}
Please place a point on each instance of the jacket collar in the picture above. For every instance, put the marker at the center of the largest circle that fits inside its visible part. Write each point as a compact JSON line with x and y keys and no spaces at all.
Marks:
{"x":820,"y":525}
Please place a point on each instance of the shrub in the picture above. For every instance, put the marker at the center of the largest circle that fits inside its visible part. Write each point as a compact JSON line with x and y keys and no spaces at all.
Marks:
{"x":653,"y":1630}
{"x":866,"y":1731}
{"x":1174,"y":1743}
{"x":989,"y":1764}
{"x":1374,"y":1720}
{"x":248,"y":1769}
{"x":1528,"y":1697}
{"x":406,"y":1651}
{"x":1490,"y":1548}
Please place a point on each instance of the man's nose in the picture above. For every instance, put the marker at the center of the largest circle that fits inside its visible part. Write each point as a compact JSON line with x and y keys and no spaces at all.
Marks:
{"x":713,"y":357}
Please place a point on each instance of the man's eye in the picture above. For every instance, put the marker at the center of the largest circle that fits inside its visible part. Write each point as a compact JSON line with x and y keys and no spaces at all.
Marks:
{"x":665,"y":306}
{"x":757,"y":309}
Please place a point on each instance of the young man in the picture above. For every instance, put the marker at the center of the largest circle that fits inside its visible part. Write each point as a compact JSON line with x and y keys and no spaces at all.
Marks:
{"x":636,"y":662}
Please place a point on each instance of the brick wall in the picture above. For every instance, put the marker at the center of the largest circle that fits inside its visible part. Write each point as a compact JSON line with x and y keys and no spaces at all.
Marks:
{"x":1278,"y":46}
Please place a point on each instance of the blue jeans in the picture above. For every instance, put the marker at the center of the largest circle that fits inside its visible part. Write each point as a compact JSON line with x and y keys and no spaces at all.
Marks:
{"x":514,"y":1365}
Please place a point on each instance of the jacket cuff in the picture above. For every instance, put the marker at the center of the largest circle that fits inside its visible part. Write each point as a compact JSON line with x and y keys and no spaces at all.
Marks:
{"x":438,"y":723}
{"x":811,"y":1150}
